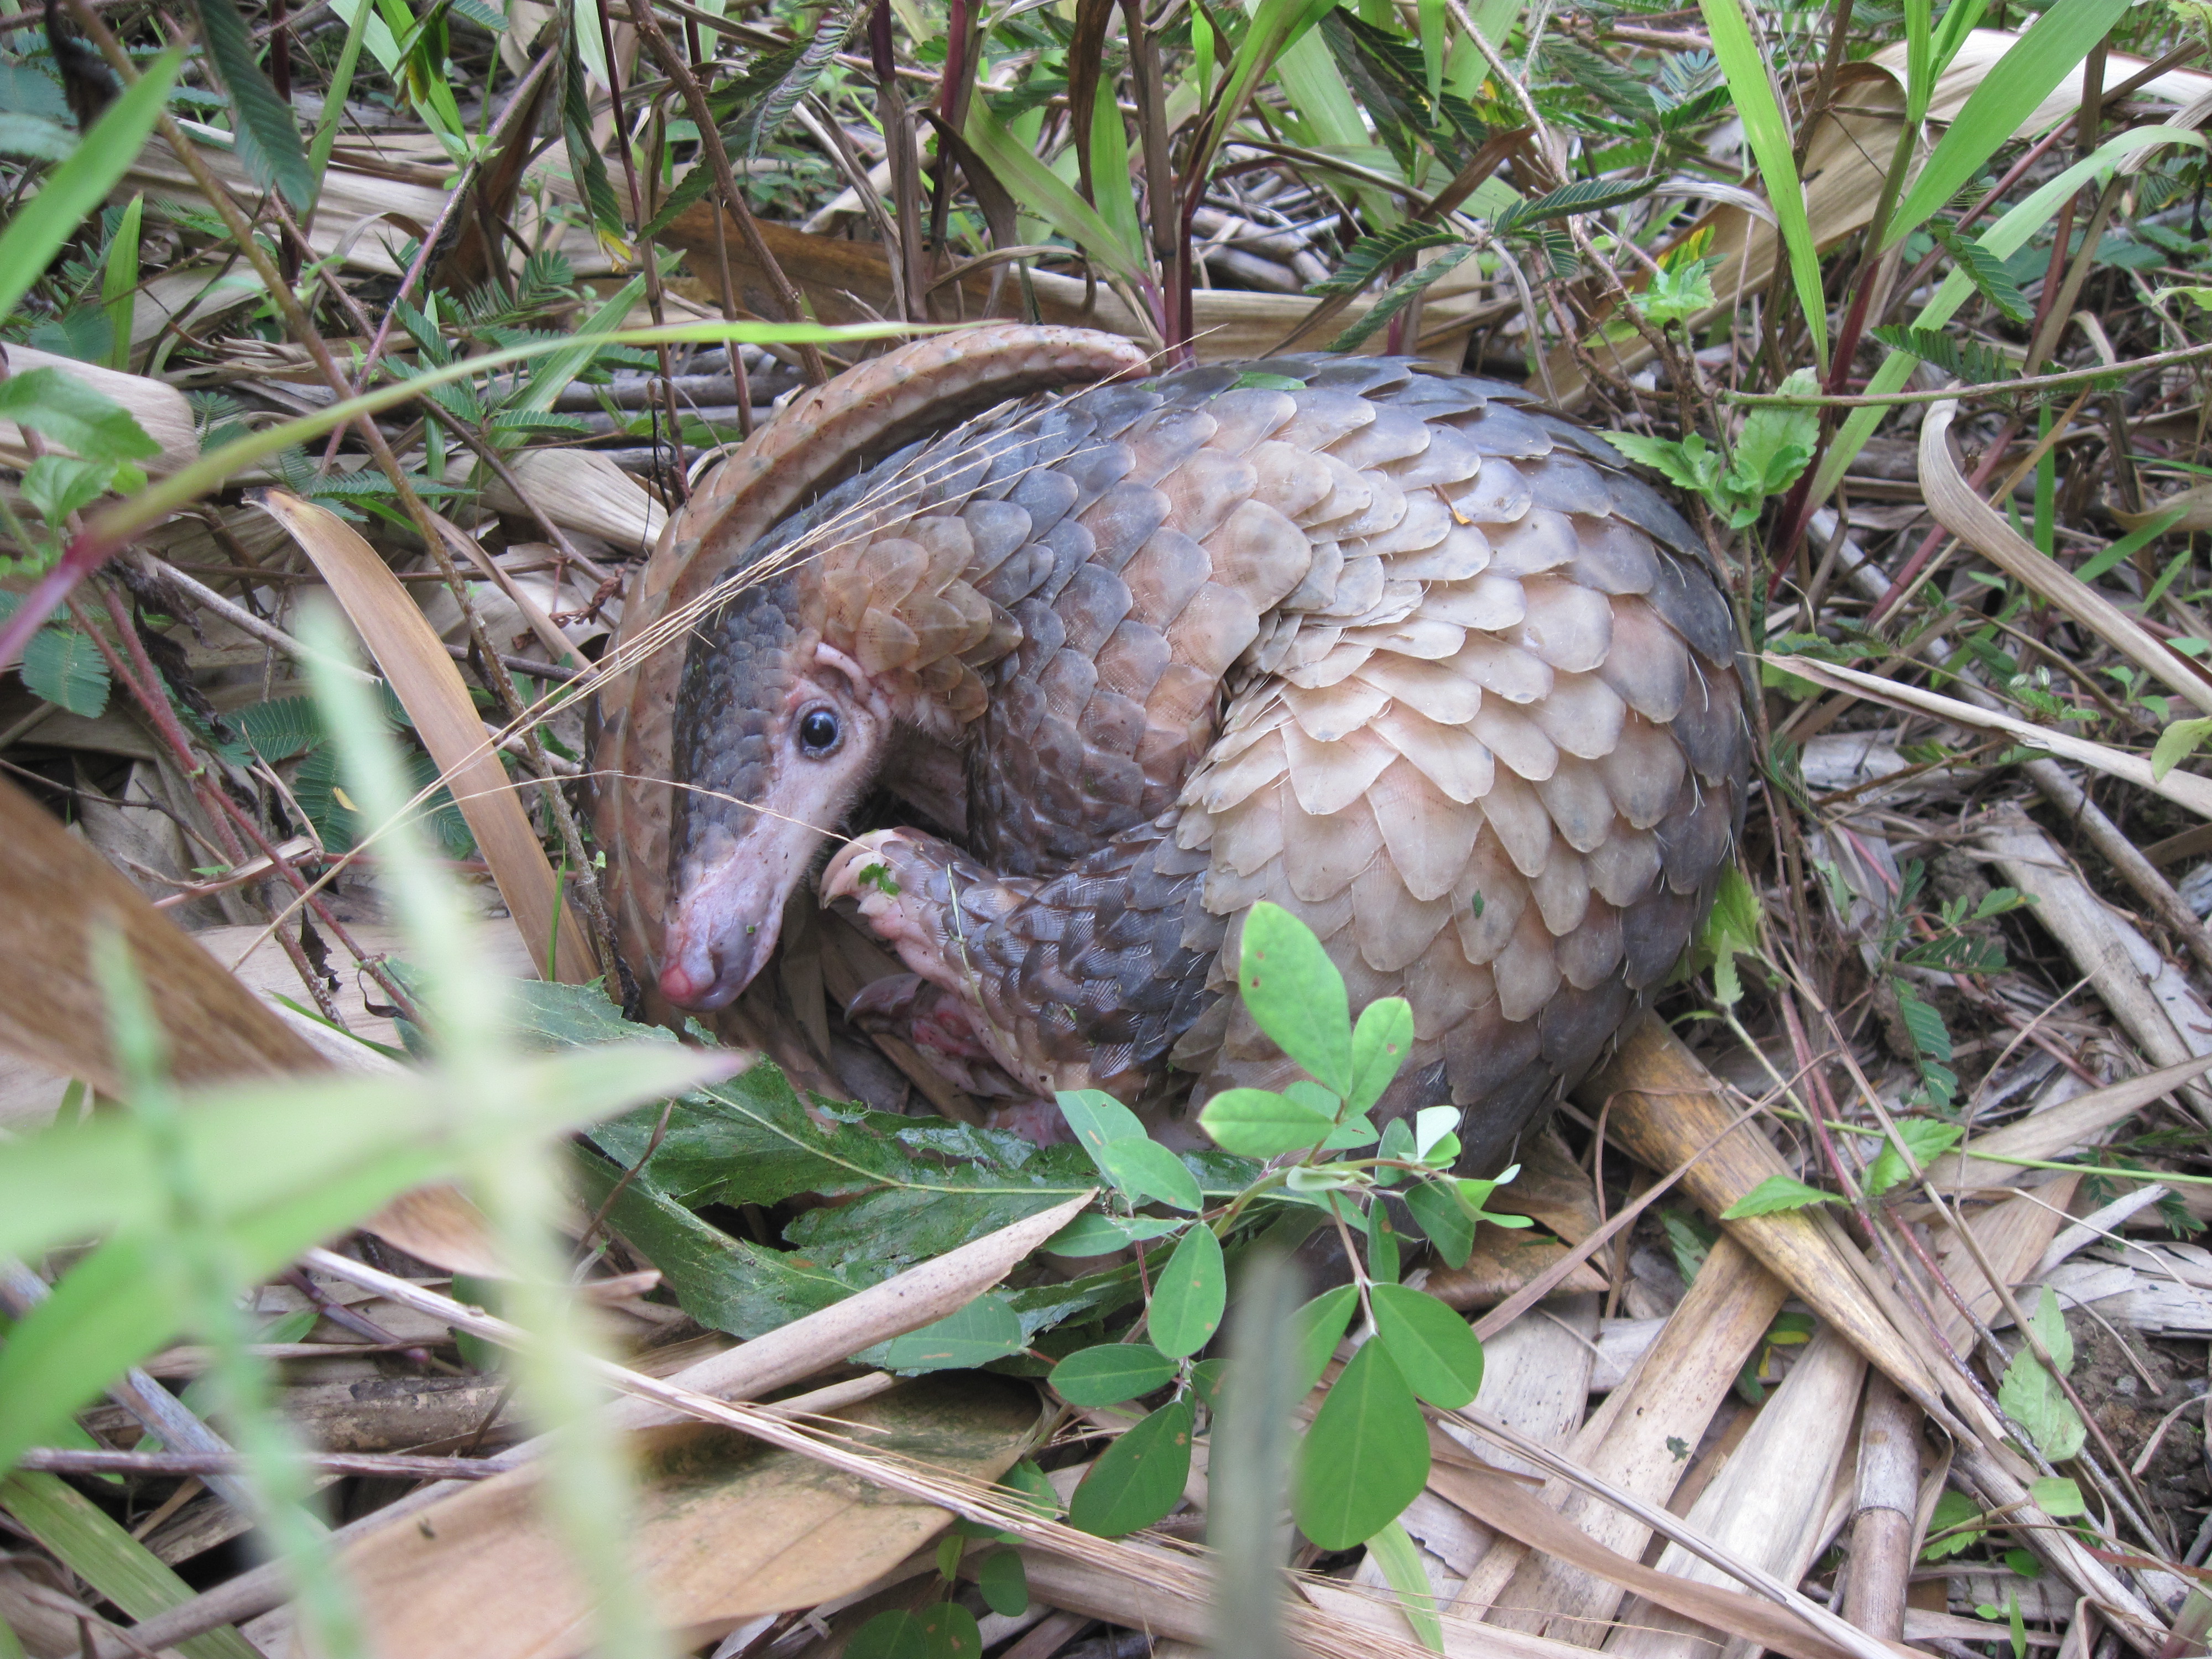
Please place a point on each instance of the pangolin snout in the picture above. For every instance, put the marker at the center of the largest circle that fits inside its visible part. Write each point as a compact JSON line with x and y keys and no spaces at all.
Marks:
{"x":722,"y":928}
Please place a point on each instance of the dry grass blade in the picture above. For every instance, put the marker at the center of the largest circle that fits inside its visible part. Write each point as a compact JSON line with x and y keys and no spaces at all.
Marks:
{"x":2051,"y":1133}
{"x":2184,"y":787}
{"x":1962,"y":511}
{"x":430,"y":687}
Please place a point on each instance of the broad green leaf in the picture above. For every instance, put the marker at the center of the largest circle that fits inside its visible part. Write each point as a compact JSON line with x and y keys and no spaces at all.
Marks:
{"x":1366,"y":1456}
{"x":1261,"y":1123}
{"x":1139,"y":1478}
{"x":1926,"y":1138}
{"x":58,"y":485}
{"x":2176,"y":744}
{"x":1138,"y":1165}
{"x":1767,"y":135}
{"x":898,"y":1634}
{"x":2053,"y":48}
{"x":1004,"y":1583}
{"x":1432,"y":1126}
{"x":1320,"y":1325}
{"x":1296,"y":995}
{"x":1091,"y":1234}
{"x":950,"y":1632}
{"x":88,"y":423}
{"x":1775,"y":443}
{"x":986,"y":1329}
{"x":1112,"y":182}
{"x":1188,"y":1295}
{"x":1441,"y":1217}
{"x":65,"y":667}
{"x":39,"y":229}
{"x":1380,"y":1042}
{"x":1774,"y":1195}
{"x":1953,"y":1510}
{"x":266,"y":136}
{"x":2058,"y":1497}
{"x":2049,"y":1319}
{"x":1111,"y":1373}
{"x":1408,"y":1579}
{"x":2031,"y":1399}
{"x":1434,"y":1349}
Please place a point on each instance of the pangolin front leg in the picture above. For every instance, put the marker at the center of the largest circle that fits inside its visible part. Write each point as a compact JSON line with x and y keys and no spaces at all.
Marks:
{"x":1080,"y":980}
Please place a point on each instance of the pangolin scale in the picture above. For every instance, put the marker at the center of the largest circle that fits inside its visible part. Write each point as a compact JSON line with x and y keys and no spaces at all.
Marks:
{"x":1385,"y":645}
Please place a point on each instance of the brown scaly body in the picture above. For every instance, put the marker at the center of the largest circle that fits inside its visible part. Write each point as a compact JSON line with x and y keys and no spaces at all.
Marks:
{"x":1379,"y":644}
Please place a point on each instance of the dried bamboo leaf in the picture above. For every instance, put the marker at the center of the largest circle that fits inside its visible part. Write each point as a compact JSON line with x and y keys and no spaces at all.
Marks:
{"x":1666,"y":1107}
{"x":2053,"y":1132}
{"x":1961,"y":510}
{"x":158,"y":407}
{"x":725,"y":1528}
{"x":430,"y":687}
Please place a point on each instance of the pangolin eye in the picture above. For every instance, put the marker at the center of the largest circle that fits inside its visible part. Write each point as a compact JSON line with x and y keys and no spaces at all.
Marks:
{"x":820,"y":734}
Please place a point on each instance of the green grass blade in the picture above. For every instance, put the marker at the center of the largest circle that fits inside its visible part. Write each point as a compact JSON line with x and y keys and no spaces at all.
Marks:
{"x":1044,"y":194}
{"x":94,"y":1547}
{"x":334,"y":102}
{"x":118,"y":283}
{"x":1919,"y":60}
{"x":2050,"y":50}
{"x":2003,"y":239}
{"x":74,"y":189}
{"x":1768,"y":137}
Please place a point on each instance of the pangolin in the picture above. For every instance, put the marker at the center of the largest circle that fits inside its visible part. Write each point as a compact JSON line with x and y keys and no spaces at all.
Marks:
{"x":1389,"y":646}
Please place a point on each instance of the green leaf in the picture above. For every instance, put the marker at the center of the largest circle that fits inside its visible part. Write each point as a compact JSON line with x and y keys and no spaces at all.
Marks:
{"x":98,"y":1551}
{"x":1111,"y":1373}
{"x":895,"y":1635}
{"x":39,"y":228}
{"x":58,"y":485}
{"x":1044,"y":194}
{"x":1367,"y":257}
{"x":1953,"y":1509}
{"x":1926,"y":1138}
{"x":1139,"y":1478}
{"x":1092,"y":1234}
{"x":1777,"y":444}
{"x":950,"y":1631}
{"x":1004,"y":1583}
{"x":119,"y":280}
{"x":1394,"y":299}
{"x":2058,"y":1497}
{"x":1261,"y":1123}
{"x":2177,"y":744}
{"x":986,"y":1329}
{"x":1366,"y":1456}
{"x":1408,"y":1579}
{"x":1296,"y":995}
{"x":1189,"y":1294}
{"x":1319,"y":1326}
{"x":2053,"y":47}
{"x":1989,"y":274}
{"x":266,"y":135}
{"x":1583,"y":196}
{"x":1439,"y":1216}
{"x":2031,"y":1396}
{"x":64,"y":666}
{"x":1380,"y":1042}
{"x":1767,"y":135}
{"x":90,"y":423}
{"x":1775,"y":1194}
{"x":1434,"y":1348}
{"x":1137,"y":1164}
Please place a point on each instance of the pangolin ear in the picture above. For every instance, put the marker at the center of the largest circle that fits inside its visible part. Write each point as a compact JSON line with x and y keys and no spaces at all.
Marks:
{"x":864,"y":688}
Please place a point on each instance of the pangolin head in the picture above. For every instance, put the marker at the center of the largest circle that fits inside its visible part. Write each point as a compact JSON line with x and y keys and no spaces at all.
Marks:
{"x":777,"y":732}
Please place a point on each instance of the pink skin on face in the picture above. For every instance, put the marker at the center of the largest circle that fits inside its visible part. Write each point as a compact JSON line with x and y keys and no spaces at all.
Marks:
{"x":722,"y":922}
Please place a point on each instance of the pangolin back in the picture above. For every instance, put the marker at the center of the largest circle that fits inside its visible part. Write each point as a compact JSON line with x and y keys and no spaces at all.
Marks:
{"x":1382,"y":644}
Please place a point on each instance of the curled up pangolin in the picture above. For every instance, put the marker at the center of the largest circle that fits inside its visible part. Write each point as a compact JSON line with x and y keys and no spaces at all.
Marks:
{"x":1383,"y":644}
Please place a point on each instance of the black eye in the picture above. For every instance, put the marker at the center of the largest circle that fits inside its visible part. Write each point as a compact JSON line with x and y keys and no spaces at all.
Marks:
{"x":818,"y":732}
